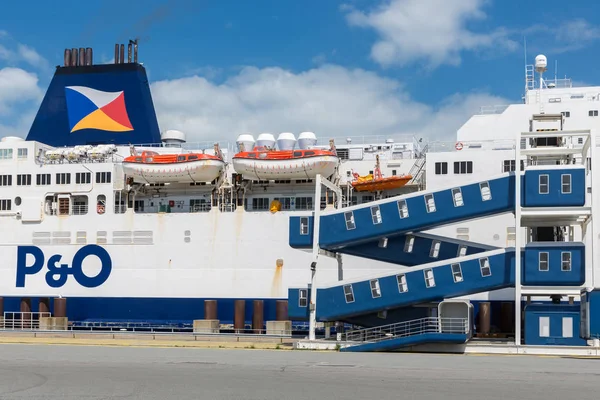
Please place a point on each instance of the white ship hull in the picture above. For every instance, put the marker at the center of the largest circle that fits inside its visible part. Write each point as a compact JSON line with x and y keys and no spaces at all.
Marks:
{"x":307,"y":168}
{"x":193,"y":171}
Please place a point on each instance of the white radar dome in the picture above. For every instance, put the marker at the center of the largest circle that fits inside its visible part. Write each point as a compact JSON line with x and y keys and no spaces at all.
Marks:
{"x":306,"y":140}
{"x":12,"y":139}
{"x":286,"y":141}
{"x":172,"y":138}
{"x":541,"y":62}
{"x":266,"y":140}
{"x":246,"y":141}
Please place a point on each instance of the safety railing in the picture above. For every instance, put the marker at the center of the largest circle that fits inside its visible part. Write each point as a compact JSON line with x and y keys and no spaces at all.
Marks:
{"x":410,"y":328}
{"x":23,"y":320}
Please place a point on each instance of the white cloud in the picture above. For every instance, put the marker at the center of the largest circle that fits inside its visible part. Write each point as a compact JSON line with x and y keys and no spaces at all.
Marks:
{"x":14,"y":53}
{"x":561,"y":38}
{"x":431,"y":31}
{"x":17,"y":86}
{"x":330,"y":100}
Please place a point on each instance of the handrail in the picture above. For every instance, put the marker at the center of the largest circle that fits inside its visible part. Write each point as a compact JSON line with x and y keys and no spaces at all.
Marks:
{"x":410,"y":328}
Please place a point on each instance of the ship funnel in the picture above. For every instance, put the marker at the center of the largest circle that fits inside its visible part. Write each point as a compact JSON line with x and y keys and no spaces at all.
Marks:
{"x":306,"y":140}
{"x":245,"y":142}
{"x":172,"y":138}
{"x":286,"y":141}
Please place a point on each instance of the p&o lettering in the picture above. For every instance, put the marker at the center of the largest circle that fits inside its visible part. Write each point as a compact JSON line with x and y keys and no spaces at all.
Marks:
{"x":58,"y":272}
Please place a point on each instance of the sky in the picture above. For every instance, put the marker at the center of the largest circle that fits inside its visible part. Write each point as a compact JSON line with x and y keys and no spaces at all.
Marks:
{"x":219,"y":68}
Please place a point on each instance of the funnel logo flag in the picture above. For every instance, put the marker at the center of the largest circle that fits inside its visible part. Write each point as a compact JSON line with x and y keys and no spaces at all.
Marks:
{"x":93,"y":109}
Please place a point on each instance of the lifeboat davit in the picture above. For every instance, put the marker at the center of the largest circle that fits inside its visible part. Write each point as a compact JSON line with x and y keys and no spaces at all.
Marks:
{"x":266,"y":164}
{"x":152,"y":167}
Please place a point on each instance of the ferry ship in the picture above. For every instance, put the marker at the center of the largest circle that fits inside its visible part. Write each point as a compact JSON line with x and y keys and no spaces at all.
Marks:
{"x":128,"y":223}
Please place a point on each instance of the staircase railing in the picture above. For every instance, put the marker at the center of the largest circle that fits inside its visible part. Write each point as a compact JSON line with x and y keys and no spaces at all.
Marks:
{"x":410,"y":328}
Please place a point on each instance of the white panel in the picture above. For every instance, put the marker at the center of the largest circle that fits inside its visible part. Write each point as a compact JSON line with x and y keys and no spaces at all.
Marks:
{"x":567,"y":327}
{"x":544,"y":326}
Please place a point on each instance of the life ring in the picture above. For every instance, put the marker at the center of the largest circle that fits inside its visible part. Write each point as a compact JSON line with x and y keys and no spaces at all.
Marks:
{"x":458,"y":146}
{"x":100,"y":209}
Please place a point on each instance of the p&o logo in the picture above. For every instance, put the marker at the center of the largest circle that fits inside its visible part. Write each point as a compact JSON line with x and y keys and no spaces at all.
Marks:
{"x":58,"y":273}
{"x":94,"y":109}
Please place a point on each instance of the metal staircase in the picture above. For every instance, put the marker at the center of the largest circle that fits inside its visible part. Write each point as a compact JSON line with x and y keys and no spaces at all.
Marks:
{"x":417,"y":331}
{"x":418,"y":169}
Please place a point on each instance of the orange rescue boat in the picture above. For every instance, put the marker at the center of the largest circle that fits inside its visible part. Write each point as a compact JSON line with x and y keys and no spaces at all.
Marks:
{"x":376,"y":182}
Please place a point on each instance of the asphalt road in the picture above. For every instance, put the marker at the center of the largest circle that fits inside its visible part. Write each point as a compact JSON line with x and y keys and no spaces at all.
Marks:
{"x":78,"y":372}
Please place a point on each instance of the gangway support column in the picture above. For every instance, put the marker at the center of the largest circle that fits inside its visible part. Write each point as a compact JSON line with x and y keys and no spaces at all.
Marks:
{"x":312,"y":322}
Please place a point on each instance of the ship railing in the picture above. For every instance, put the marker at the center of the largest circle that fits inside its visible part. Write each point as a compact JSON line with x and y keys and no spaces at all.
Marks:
{"x":410,"y":328}
{"x":23,"y":320}
{"x":79,"y":209}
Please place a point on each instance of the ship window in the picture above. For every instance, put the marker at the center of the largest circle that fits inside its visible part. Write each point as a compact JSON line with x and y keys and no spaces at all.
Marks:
{"x":441,"y":168}
{"x":402,"y":284}
{"x":303,"y":297}
{"x":543,"y":184}
{"x":457,"y":197}
{"x":6,"y":154}
{"x":17,"y":201}
{"x":349,"y":217}
{"x":260,"y":203}
{"x":83,"y":178}
{"x":297,"y":154}
{"x":509,"y":165}
{"x":457,"y":273}
{"x":101,"y":204}
{"x":149,"y":159}
{"x":543,"y":261}
{"x":5,"y":205}
{"x":566,"y":183}
{"x":376,"y":215}
{"x":42,"y":179}
{"x":5,"y":180}
{"x":180,"y":158}
{"x":429,"y":279}
{"x":23,"y":179}
{"x":304,"y":225}
{"x":21,"y":153}
{"x":486,"y":193}
{"x":375,"y":289}
{"x":463,"y":167}
{"x":394,"y":172}
{"x":349,"y":293}
{"x":484,"y":266}
{"x":565,"y":261}
{"x":434,"y":252}
{"x":304,"y":203}
{"x":193,"y":157}
{"x":63,"y":179}
{"x":138,"y":159}
{"x":309,"y":153}
{"x":403,"y":208}
{"x":566,"y":114}
{"x":462,"y":251}
{"x":593,"y":113}
{"x":120,"y":206}
{"x":409,"y":243}
{"x":103,"y":177}
{"x":430,"y":203}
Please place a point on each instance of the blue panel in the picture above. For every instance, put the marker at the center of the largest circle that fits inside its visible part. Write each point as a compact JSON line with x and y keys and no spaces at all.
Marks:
{"x":555,"y":314}
{"x":392,"y":317}
{"x":593,"y":299}
{"x":296,"y":239}
{"x":395,"y":344}
{"x":332,"y":305}
{"x":552,"y":273}
{"x":554,"y":195}
{"x":295,"y":311}
{"x":334,"y":233}
{"x":52,"y":125}
{"x":396,"y":250}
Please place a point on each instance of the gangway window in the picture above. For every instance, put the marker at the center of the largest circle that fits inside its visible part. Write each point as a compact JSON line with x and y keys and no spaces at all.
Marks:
{"x":566,"y":183}
{"x":349,"y":293}
{"x":376,"y":215}
{"x":430,"y":203}
{"x":543,"y":183}
{"x":486,"y":193}
{"x":567,"y":327}
{"x":403,"y":208}
{"x":349,"y":216}
{"x":375,"y":289}
{"x":402,"y":284}
{"x":566,"y":261}
{"x":544,"y":326}
{"x":304,"y":225}
{"x":409,"y":243}
{"x":462,"y":251}
{"x":303,"y":298}
{"x":434,"y":252}
{"x":484,"y":266}
{"x":457,"y":197}
{"x":457,"y":273}
{"x":543,"y":261}
{"x":429,"y":279}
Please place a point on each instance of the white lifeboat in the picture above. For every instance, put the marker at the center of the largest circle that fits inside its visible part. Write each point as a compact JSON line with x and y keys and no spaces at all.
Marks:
{"x":151,"y":167}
